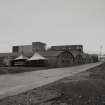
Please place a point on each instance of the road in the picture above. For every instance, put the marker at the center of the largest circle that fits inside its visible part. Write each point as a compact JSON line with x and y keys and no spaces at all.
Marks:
{"x":12,"y":84}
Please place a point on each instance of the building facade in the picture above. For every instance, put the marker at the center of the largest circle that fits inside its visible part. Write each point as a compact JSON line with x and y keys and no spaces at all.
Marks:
{"x":56,"y":56}
{"x":38,"y":46}
{"x":78,"y":48}
{"x":22,"y":49}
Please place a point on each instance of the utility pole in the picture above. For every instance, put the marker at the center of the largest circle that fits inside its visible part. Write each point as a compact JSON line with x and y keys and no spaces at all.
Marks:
{"x":101,"y":51}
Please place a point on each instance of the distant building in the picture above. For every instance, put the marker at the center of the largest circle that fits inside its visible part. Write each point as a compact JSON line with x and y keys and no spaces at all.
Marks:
{"x":64,"y":55}
{"x":56,"y":56}
{"x":75,"y":50}
{"x":67,"y":47}
{"x":101,"y":58}
{"x":22,"y":48}
{"x":38,"y":46}
{"x":59,"y":58}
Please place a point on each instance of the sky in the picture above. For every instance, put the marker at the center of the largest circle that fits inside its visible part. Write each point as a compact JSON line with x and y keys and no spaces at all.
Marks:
{"x":55,"y":22}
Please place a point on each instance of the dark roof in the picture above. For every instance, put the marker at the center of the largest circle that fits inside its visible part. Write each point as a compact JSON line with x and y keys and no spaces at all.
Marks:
{"x":67,"y":46}
{"x":39,"y":43}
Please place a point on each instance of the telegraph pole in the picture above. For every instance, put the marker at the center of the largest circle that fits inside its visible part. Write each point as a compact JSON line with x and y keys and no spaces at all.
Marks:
{"x":101,"y":51}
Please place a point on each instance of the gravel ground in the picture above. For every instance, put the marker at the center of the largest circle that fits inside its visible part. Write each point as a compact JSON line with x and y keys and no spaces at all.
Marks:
{"x":85,"y":88}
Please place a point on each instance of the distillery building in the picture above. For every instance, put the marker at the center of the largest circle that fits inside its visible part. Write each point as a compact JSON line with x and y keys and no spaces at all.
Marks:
{"x":65,"y":55}
{"x":37,"y":55}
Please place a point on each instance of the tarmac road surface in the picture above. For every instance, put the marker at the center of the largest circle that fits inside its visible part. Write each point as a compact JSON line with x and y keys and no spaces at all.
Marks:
{"x":12,"y":84}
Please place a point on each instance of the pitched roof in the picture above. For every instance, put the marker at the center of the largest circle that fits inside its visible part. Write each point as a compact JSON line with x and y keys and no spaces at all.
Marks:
{"x":21,"y":57}
{"x":37,"y":56}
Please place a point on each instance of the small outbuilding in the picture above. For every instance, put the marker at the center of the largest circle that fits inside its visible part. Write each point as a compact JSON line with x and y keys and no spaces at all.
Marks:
{"x":20,"y":60}
{"x":36,"y":60}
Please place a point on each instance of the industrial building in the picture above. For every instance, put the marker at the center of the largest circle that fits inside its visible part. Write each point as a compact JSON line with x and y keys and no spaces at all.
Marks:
{"x":56,"y":56}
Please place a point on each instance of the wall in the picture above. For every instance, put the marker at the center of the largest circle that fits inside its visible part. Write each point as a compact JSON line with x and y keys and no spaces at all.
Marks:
{"x":68,"y":47}
{"x":38,"y":46}
{"x":20,"y":49}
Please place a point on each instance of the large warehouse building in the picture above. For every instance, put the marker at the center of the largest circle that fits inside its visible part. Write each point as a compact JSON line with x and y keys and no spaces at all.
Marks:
{"x":55,"y":56}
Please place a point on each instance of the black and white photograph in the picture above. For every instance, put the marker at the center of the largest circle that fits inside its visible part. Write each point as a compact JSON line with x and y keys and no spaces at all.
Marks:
{"x":52,"y":52}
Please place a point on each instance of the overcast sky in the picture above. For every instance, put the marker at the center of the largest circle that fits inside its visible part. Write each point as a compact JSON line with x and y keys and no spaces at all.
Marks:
{"x":56,"y":22}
